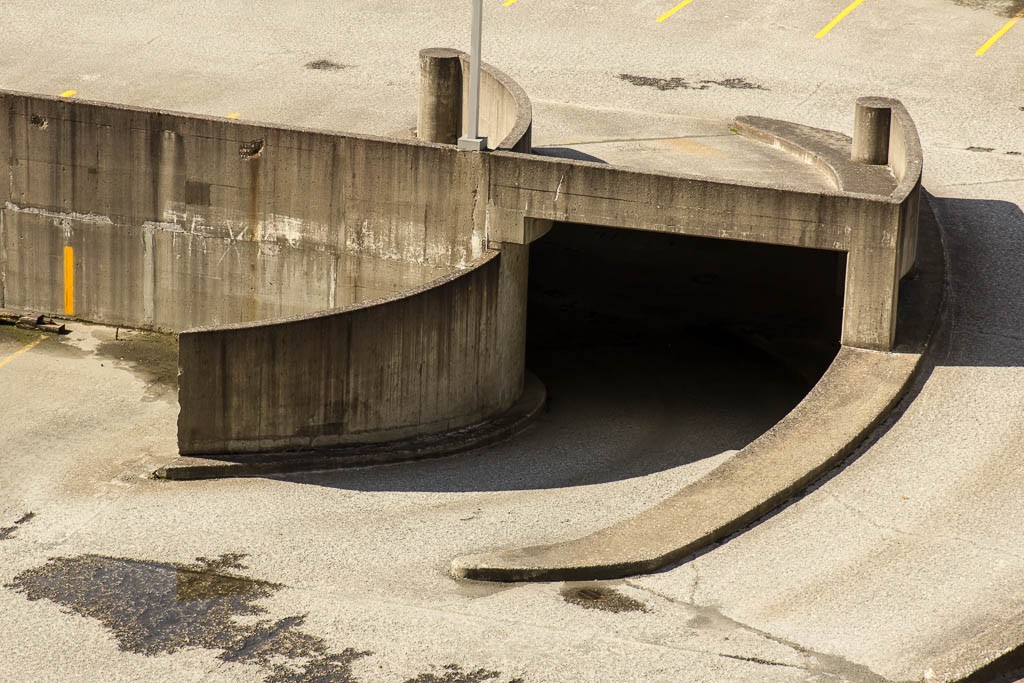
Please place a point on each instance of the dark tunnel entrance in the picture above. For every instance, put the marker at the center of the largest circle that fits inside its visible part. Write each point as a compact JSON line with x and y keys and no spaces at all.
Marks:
{"x":714,"y":336}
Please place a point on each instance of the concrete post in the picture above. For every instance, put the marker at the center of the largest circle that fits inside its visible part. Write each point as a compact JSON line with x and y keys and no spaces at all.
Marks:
{"x":872,"y":278}
{"x":440,"y":111}
{"x":871,"y":124}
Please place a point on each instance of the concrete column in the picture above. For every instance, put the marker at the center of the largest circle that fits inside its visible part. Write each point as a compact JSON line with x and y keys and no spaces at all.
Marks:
{"x":440,"y":111}
{"x":872,"y":291}
{"x":871,"y":124}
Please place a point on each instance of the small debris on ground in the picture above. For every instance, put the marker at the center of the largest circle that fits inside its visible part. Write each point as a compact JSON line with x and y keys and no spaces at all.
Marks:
{"x":32,"y":322}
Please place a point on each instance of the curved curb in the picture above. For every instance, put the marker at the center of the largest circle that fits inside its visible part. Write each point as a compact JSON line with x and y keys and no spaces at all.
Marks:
{"x":826,"y":150}
{"x":853,"y":397}
{"x":504,"y":426}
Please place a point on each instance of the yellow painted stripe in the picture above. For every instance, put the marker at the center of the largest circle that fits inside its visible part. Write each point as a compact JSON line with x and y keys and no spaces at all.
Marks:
{"x":69,"y":281}
{"x":839,"y":17}
{"x":509,"y":2}
{"x":27,"y":347}
{"x":234,"y":115}
{"x":672,"y":11}
{"x":999,"y":34}
{"x":69,"y":93}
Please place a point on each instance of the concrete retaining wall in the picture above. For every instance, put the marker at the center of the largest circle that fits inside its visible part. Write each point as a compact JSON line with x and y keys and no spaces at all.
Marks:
{"x":435,"y":359}
{"x":177,"y":221}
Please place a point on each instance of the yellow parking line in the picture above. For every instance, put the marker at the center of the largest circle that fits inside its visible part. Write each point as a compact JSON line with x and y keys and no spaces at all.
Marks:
{"x":672,"y":11}
{"x":69,"y":93}
{"x":27,"y":347}
{"x":839,"y":17}
{"x":69,"y":280}
{"x":234,"y":115}
{"x":509,"y":2}
{"x":999,"y":34}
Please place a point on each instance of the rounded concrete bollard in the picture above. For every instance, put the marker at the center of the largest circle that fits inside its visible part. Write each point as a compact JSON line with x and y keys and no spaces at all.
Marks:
{"x":871,"y":133}
{"x":440,"y":111}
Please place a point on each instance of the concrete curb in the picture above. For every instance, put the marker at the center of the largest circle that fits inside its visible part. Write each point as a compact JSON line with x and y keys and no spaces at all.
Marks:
{"x":517,"y":418}
{"x":826,"y":150}
{"x":853,"y":397}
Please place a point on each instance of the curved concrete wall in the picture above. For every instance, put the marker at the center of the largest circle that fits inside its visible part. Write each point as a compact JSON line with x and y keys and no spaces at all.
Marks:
{"x":441,"y":357}
{"x":176,"y":221}
{"x":506,"y":114}
{"x":907,"y":162}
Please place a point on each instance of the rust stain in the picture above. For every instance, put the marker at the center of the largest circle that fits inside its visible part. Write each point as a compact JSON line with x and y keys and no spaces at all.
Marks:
{"x":693,"y":147}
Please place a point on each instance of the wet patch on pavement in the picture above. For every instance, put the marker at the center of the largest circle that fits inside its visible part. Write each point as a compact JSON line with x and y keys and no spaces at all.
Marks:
{"x":155,"y":608}
{"x":326,"y":65}
{"x":1006,"y":8}
{"x":677,"y":83}
{"x":601,"y":598}
{"x":9,"y":531}
{"x":159,"y":608}
{"x":1012,"y":153}
{"x":18,"y":335}
{"x":152,"y":355}
{"x":452,"y":673}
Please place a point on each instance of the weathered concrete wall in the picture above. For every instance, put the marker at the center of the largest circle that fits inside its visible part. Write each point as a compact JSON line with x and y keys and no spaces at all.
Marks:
{"x":907,"y":162}
{"x":444,"y":356}
{"x":878,"y":232}
{"x":178,"y":221}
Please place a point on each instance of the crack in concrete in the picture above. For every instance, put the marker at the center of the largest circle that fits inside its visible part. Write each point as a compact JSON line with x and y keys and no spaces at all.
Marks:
{"x":833,"y":666}
{"x":873,"y":521}
{"x":8,"y":531}
{"x":986,"y":182}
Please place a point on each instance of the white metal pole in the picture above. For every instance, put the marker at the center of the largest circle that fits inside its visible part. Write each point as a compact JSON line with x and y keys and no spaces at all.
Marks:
{"x":471,"y":139}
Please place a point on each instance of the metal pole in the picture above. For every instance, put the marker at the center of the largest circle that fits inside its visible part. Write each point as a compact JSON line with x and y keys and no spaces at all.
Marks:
{"x":472,"y":140}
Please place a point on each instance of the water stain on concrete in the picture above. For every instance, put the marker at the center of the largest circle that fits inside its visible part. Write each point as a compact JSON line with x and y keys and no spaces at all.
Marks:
{"x":18,"y":335}
{"x":1006,"y":8}
{"x":151,"y":355}
{"x":8,"y":531}
{"x":159,"y":608}
{"x":452,"y":673}
{"x":677,"y":83}
{"x":326,"y":65}
{"x":601,"y":598}
{"x":155,"y":608}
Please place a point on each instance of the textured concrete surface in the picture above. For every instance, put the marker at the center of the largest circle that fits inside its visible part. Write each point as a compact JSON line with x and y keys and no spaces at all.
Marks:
{"x":904,"y":565}
{"x":361,"y":555}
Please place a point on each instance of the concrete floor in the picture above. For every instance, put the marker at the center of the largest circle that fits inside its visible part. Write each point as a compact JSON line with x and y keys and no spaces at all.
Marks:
{"x":903,"y":566}
{"x":361,"y":555}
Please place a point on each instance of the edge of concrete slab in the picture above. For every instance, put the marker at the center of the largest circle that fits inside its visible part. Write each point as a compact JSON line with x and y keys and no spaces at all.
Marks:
{"x":851,"y":399}
{"x":521,"y":415}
